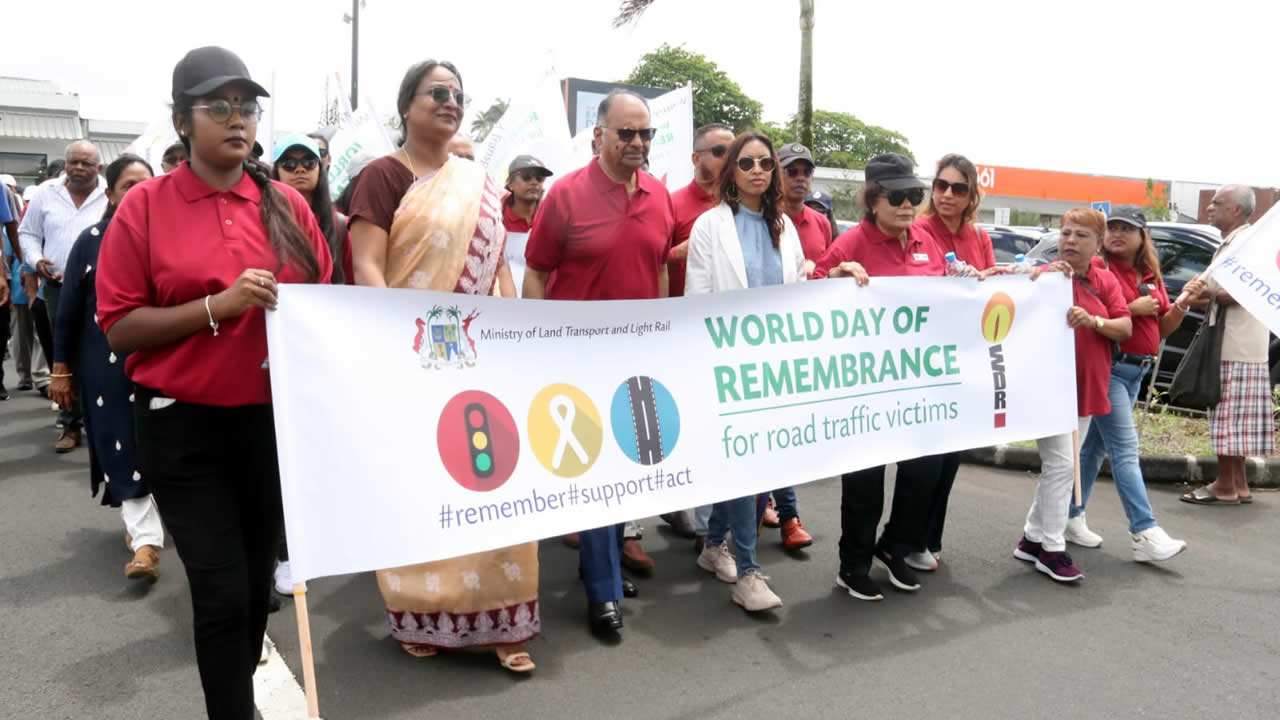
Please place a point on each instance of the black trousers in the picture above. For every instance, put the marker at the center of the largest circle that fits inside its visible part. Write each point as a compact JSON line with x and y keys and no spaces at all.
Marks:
{"x":214,"y":474}
{"x":862,"y":503}
{"x":4,"y":338}
{"x":938,"y":509}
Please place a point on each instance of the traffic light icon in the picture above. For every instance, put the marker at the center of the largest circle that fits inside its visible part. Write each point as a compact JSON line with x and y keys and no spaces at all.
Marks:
{"x":479,"y":440}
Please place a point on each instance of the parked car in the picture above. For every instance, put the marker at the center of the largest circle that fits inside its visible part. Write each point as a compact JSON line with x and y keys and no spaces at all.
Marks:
{"x":1008,"y":242}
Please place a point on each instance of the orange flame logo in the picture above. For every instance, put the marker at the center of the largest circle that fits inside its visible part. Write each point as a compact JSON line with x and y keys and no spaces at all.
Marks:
{"x":997,"y":318}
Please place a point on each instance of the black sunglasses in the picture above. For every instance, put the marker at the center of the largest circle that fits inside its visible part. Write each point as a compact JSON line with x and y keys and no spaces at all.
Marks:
{"x":717,"y":151}
{"x":529,"y":175}
{"x":308,"y":163}
{"x":745,"y":164}
{"x":959,"y":189}
{"x":915,"y":195}
{"x":626,"y":135}
{"x":324,"y":152}
{"x":797,"y":170}
{"x":441,"y":94}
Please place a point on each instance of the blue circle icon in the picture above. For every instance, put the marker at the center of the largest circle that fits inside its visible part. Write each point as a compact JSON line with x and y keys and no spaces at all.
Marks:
{"x":646,"y":422}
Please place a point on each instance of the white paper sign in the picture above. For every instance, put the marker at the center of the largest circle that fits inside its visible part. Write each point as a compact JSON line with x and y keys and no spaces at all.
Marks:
{"x":1249,"y":269}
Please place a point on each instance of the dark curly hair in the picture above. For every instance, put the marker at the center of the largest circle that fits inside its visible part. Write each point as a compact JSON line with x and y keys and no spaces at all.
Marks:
{"x":772,"y":194}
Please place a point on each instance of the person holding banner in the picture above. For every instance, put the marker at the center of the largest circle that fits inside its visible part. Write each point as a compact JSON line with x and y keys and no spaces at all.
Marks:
{"x":423,"y":219}
{"x":188,"y":267}
{"x":746,"y":241}
{"x":885,"y":243}
{"x":1100,"y":318}
{"x":299,"y":164}
{"x":1131,"y":257}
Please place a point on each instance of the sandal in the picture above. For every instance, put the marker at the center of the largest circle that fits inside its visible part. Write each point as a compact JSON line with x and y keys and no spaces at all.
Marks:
{"x":1245,"y":499}
{"x":143,"y":565}
{"x":1204,"y":496}
{"x":515,"y":660}
{"x":419,"y":651}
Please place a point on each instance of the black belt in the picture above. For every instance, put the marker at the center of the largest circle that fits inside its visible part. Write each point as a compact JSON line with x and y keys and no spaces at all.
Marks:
{"x":1131,"y":359}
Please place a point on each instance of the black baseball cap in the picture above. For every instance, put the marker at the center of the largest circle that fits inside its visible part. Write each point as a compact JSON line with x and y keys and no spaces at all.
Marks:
{"x":792,"y":152}
{"x":893,"y":171}
{"x":820,"y":199}
{"x":528,"y":162}
{"x":206,"y":69}
{"x":1131,"y":214}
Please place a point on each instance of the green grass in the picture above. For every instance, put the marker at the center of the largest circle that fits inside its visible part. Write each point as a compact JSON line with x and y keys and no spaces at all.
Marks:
{"x":1166,"y":434}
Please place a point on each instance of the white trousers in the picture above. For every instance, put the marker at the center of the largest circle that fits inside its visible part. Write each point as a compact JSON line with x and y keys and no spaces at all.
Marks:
{"x":1047,"y":519}
{"x":142,"y":521}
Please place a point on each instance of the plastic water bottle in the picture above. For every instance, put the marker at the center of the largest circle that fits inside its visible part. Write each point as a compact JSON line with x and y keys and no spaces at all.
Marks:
{"x":1020,"y":265}
{"x":956,"y":267}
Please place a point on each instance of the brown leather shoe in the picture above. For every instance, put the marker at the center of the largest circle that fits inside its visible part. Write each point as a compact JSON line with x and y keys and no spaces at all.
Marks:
{"x":571,"y":540}
{"x":770,"y":516}
{"x":793,"y":535}
{"x":144,"y":564}
{"x":634,"y":556}
{"x":68,"y":441}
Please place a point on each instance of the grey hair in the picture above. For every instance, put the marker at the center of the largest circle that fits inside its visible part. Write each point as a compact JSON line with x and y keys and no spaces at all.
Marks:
{"x":1243,"y":196}
{"x":603,"y":110}
{"x":84,"y":143}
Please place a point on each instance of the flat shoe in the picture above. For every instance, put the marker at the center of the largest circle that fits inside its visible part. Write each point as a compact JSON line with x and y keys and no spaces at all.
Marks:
{"x":516,"y":662}
{"x":1246,"y":499}
{"x":1204,"y":496}
{"x":419,"y":651}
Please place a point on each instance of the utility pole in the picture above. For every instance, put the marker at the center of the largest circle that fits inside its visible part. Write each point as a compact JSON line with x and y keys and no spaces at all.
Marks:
{"x":354,"y":19}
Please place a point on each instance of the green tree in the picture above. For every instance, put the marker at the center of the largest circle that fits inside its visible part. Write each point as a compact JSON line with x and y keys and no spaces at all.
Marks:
{"x":716,"y":97}
{"x":1157,"y":206}
{"x":483,"y":124}
{"x":841,"y":139}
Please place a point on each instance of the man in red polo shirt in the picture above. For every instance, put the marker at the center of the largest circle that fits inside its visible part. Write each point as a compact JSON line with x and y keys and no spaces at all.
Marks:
{"x":797,"y":180}
{"x":604,"y":232}
{"x":525,"y":176}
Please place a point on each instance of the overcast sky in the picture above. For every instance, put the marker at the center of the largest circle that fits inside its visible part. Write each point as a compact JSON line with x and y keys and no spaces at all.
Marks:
{"x":1171,"y":89}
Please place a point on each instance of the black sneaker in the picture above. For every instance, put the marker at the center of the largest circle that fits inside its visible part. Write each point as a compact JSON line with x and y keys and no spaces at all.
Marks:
{"x":859,"y":586}
{"x":44,"y":391}
{"x":25,"y":386}
{"x":902,"y":577}
{"x":4,"y":394}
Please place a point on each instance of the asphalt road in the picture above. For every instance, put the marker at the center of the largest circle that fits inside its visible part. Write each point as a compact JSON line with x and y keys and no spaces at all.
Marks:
{"x":1198,"y":637}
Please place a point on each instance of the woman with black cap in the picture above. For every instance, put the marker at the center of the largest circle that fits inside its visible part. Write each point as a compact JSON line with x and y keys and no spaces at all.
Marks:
{"x":190,"y":263}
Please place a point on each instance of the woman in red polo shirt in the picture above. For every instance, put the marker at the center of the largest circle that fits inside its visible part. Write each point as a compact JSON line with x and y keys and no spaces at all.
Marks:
{"x":1131,"y":257}
{"x":1100,"y":319}
{"x":949,"y":218}
{"x":885,"y":243}
{"x":188,"y":266}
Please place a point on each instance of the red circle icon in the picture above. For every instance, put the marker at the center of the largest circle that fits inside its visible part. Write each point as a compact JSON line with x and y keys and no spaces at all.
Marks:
{"x":478,"y":441}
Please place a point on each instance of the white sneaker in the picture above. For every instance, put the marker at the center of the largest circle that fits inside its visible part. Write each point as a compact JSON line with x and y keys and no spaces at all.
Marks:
{"x":717,"y":559}
{"x":284,"y":579}
{"x":1154,"y":545}
{"x":923,"y":561}
{"x":1078,"y":533}
{"x":753,"y":593}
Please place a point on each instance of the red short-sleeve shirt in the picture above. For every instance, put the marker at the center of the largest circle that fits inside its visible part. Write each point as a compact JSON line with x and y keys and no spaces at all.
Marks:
{"x":815,"y":232}
{"x":1146,"y":328}
{"x":971,"y":244}
{"x":883,"y":255}
{"x":1093,"y":351}
{"x":689,"y":203}
{"x":175,"y":239}
{"x":511,"y":221}
{"x":596,"y":242}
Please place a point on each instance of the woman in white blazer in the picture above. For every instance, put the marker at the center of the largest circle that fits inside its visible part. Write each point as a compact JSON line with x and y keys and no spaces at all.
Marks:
{"x":746,"y":241}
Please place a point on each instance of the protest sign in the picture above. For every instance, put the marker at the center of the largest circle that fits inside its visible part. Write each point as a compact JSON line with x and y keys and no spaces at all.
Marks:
{"x":1249,"y":269}
{"x":534,"y":124}
{"x":504,"y":421}
{"x":358,"y":133}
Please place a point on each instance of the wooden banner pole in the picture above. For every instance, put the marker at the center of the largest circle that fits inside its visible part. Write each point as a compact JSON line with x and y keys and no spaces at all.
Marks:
{"x":304,"y":642}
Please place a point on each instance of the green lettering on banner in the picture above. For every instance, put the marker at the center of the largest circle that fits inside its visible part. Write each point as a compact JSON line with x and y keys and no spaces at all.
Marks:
{"x":774,"y":322}
{"x":726,"y":383}
{"x":825,"y":375}
{"x":720,"y":335}
{"x":777,"y":382}
{"x":749,"y":380}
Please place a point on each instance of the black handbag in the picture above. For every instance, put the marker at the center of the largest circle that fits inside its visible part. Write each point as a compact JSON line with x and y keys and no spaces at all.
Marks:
{"x":1197,"y":385}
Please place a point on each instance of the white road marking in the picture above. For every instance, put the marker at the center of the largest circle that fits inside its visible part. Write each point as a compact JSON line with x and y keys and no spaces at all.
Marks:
{"x":275,"y":691}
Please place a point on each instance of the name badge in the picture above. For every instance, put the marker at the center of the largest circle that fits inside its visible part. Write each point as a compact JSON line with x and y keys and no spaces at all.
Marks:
{"x":922,"y":257}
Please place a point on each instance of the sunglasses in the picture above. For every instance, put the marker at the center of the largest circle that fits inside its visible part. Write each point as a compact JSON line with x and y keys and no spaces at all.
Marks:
{"x":221,"y":110}
{"x":959,"y":189}
{"x":324,"y":152}
{"x":717,"y":151}
{"x":915,"y":195}
{"x":626,"y":135}
{"x":308,"y":163}
{"x":798,"y":170}
{"x":529,"y":176}
{"x":441,"y":94}
{"x":745,"y":164}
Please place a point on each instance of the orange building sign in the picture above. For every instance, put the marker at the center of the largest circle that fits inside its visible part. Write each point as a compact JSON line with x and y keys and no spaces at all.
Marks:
{"x":1071,"y":187}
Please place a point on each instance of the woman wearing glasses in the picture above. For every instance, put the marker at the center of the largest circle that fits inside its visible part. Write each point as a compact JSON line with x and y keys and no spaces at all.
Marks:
{"x":421,"y":218}
{"x":746,"y":241}
{"x":187,"y":268}
{"x":885,"y":243}
{"x":299,"y":163}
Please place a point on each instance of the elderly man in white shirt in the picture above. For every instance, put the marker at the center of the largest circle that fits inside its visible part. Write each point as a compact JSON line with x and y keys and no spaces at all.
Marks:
{"x":55,"y":217}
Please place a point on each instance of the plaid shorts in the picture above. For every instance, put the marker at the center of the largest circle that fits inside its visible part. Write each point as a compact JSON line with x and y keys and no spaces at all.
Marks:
{"x":1242,"y":423}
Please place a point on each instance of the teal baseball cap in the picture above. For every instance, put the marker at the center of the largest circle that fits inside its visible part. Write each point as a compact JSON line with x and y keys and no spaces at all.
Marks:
{"x":291,"y":141}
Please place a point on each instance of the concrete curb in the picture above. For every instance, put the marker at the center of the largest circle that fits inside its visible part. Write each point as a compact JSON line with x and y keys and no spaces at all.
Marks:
{"x":1159,"y":469}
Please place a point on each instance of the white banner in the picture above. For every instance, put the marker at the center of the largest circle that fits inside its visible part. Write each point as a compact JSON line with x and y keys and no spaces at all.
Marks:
{"x":497,"y":421}
{"x":535,"y":124}
{"x":1249,"y":269}
{"x":361,"y":132}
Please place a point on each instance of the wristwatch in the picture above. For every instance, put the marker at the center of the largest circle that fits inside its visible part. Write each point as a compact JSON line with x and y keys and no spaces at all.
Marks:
{"x":1097,"y":322}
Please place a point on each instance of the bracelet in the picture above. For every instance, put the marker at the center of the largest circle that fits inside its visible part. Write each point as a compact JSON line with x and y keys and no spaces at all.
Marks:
{"x":212,"y":323}
{"x":56,"y":375}
{"x":1183,"y":310}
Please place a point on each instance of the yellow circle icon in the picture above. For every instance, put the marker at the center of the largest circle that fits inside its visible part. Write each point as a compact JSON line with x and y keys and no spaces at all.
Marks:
{"x":997,"y":318}
{"x":565,"y":430}
{"x":480,"y":440}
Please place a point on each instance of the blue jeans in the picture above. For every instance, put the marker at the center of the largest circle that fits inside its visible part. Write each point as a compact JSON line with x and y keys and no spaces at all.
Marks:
{"x":701,"y":518}
{"x":784,"y":500}
{"x":1114,"y":435}
{"x":739,"y":518}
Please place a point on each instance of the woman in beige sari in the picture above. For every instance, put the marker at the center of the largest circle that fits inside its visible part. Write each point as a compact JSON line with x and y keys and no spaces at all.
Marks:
{"x":423,"y":219}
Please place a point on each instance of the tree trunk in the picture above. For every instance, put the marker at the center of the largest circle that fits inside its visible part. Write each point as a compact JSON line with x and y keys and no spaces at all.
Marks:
{"x":804,"y":115}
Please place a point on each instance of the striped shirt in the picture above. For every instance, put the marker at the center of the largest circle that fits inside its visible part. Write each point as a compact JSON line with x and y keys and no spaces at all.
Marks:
{"x":53,"y":222}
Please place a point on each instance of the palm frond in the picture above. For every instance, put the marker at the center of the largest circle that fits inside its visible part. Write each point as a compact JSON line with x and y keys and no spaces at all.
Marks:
{"x":629,"y":11}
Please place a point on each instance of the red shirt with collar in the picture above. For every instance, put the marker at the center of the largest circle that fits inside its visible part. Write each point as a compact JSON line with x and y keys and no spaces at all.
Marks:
{"x":597,"y":242}
{"x":971,"y":244}
{"x":1146,"y":328}
{"x":882,"y":255}
{"x":689,"y":203}
{"x":815,"y":232}
{"x":175,"y":239}
{"x":513,"y":222}
{"x":1093,"y":351}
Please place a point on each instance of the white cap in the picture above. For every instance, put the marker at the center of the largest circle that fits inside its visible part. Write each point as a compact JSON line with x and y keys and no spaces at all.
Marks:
{"x":8,"y":181}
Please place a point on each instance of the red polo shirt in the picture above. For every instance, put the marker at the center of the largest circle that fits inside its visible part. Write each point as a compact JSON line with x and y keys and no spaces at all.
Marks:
{"x":971,"y":244}
{"x":597,"y":242}
{"x":883,"y":255}
{"x":1146,"y":328}
{"x":162,"y":250}
{"x":1093,"y":351}
{"x":689,"y":203}
{"x":513,"y":222}
{"x":815,"y":232}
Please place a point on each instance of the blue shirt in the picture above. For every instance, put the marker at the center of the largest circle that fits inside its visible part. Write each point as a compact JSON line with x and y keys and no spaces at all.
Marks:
{"x":763,"y":261}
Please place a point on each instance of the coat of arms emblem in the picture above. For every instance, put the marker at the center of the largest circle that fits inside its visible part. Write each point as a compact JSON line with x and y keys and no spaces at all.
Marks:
{"x":444,"y":338}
